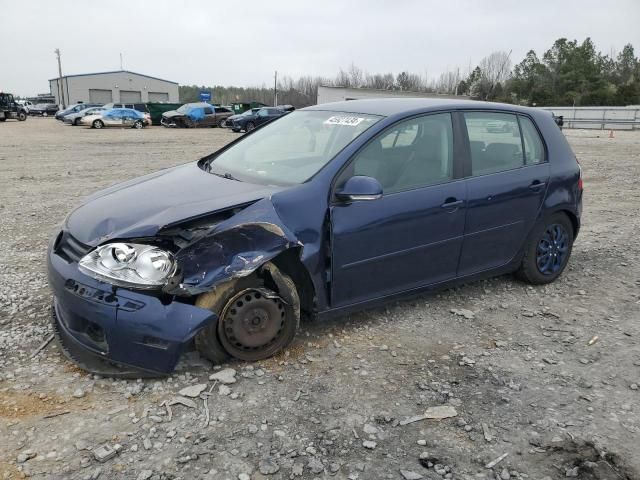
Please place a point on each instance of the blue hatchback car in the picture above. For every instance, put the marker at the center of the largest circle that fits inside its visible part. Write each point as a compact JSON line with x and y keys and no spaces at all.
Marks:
{"x":331,"y":208}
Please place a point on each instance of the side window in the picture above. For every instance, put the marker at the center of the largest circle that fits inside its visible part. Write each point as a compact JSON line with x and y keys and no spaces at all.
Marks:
{"x":495,"y":142}
{"x":400,"y":137}
{"x":533,"y":146}
{"x":412,"y":154}
{"x":262,"y":113}
{"x":208,"y":111}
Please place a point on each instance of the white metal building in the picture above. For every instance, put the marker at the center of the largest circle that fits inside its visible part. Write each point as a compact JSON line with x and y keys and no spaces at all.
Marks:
{"x":118,"y":86}
{"x":339,"y":94}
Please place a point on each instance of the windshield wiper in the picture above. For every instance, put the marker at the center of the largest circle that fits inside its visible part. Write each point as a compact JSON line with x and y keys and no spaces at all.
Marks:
{"x":226,"y":175}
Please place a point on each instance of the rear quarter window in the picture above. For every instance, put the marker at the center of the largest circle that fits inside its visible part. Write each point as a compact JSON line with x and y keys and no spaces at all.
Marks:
{"x":533,"y":146}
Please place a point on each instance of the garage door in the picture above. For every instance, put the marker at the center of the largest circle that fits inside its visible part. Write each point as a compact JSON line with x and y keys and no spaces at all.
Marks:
{"x":100,"y":96}
{"x":158,"y":97}
{"x":129,"y":96}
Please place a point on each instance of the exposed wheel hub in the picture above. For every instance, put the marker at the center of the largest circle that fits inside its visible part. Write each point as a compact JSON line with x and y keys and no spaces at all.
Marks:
{"x":253,"y":320}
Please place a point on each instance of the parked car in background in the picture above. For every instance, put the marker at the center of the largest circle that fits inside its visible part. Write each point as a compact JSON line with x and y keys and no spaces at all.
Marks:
{"x":43,"y":109}
{"x":26,"y":104}
{"x":253,"y":120}
{"x":141,"y":107}
{"x":324,"y":211}
{"x":117,"y":117}
{"x":200,"y":114}
{"x":74,"y":118}
{"x":60,"y":114}
{"x":228,"y":123}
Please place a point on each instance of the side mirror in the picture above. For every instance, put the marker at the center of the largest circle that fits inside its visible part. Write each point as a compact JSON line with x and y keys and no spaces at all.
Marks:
{"x":360,"y":188}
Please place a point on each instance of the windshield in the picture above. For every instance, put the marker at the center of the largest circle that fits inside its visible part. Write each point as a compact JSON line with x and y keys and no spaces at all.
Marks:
{"x":185,"y":108}
{"x":291,"y":149}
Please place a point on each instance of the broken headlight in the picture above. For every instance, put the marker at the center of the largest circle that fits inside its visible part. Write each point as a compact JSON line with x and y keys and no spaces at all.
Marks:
{"x":129,"y":265}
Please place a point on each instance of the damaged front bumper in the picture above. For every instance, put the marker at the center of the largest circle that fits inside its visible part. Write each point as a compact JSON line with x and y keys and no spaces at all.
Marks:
{"x":99,"y":325}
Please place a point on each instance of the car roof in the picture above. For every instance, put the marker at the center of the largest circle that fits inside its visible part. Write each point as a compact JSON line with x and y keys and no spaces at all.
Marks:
{"x":392,"y":106}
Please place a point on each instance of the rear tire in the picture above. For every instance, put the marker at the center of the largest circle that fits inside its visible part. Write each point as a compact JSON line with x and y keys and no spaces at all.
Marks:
{"x":138,"y":124}
{"x":221,"y":123}
{"x":97,"y":124}
{"x":547,"y":250}
{"x":250,"y":126}
{"x":76,"y":122}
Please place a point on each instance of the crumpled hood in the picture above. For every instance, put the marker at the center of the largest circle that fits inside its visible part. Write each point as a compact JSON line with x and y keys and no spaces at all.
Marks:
{"x":141,"y":207}
{"x":172,"y":113}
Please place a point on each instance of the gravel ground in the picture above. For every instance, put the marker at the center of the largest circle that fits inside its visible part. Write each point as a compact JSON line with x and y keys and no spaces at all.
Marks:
{"x":543,"y":381}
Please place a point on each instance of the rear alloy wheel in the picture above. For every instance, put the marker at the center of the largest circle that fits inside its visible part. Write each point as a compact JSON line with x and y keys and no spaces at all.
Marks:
{"x":250,"y":126}
{"x":97,"y":124}
{"x":547,"y":251}
{"x":138,"y":124}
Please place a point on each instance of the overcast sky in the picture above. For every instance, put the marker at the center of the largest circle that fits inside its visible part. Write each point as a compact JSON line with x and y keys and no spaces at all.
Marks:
{"x":243,"y":42}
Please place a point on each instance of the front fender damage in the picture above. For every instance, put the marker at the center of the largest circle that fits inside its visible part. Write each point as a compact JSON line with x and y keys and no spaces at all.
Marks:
{"x":232,"y":249}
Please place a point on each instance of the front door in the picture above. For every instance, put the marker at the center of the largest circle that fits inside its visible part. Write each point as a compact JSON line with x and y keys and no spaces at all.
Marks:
{"x":505,"y":190}
{"x":412,"y":236}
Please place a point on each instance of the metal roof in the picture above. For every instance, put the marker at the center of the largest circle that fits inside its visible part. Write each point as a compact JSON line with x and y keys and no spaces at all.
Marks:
{"x":114,"y":71}
{"x":392,"y":106}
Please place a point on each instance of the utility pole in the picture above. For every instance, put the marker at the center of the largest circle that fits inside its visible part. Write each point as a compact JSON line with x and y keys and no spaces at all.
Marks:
{"x":275,"y":89}
{"x":60,"y":87}
{"x":120,"y":60}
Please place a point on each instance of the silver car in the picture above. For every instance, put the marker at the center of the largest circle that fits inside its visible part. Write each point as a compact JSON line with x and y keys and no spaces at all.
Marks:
{"x":75,"y":118}
{"x":117,"y":117}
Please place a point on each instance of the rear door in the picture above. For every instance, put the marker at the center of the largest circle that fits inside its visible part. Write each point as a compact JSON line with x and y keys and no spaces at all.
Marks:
{"x":113,"y":118}
{"x":209,"y":119}
{"x":506,"y":185}
{"x":411,"y":237}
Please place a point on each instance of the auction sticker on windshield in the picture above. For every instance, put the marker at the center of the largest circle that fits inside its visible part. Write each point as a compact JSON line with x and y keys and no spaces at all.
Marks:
{"x":344,"y":120}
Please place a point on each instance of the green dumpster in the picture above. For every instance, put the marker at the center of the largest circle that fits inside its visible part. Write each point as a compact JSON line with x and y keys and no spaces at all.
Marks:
{"x":241,"y":107}
{"x":157,"y":109}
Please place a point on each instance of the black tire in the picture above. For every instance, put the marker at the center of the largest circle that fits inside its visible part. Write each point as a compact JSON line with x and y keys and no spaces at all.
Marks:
{"x":206,"y":340}
{"x":2,"y":119}
{"x":97,"y":124}
{"x":138,"y":124}
{"x":529,"y":270}
{"x":280,"y":321}
{"x":250,"y":126}
{"x":22,"y":116}
{"x":76,"y":122}
{"x":221,"y":123}
{"x":236,"y":130}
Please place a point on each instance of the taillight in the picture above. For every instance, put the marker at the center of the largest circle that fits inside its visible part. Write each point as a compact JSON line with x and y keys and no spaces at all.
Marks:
{"x":580,"y":184}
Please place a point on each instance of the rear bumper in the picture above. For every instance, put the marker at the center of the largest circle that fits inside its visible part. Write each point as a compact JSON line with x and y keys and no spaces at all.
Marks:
{"x":100,"y":325}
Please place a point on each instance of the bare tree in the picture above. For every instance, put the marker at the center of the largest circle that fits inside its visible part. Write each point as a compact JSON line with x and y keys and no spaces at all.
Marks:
{"x":495,"y":70}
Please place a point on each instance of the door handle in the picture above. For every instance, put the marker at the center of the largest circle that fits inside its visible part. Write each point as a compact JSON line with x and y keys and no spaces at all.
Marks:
{"x":451,"y":203}
{"x":536,"y":185}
